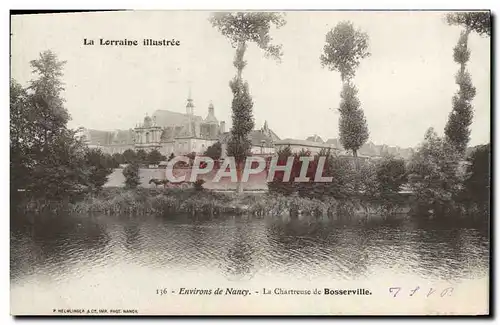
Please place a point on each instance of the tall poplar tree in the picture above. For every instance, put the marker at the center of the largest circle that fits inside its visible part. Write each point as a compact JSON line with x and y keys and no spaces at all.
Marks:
{"x":344,"y":49}
{"x":242,"y":28}
{"x":457,"y":129}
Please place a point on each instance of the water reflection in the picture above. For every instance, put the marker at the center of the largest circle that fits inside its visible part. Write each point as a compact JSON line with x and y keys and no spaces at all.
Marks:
{"x":52,"y":244}
{"x":238,"y":248}
{"x":132,"y":236}
{"x":238,"y":262}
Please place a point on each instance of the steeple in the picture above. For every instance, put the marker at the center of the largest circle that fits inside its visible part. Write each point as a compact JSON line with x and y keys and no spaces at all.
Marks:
{"x":189,"y":112}
{"x":211,"y":114}
{"x":189,"y":105}
{"x":211,"y":108}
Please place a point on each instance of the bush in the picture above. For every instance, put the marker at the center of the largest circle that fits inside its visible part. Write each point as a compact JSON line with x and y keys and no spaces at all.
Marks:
{"x":477,"y":185}
{"x":277,"y":185}
{"x":131,"y":173}
{"x":347,"y":180}
{"x":99,"y":166}
{"x":204,"y":203}
{"x":198,"y":185}
{"x":214,"y":151}
{"x":154,"y":157}
{"x":434,"y":174}
{"x":391,"y":175}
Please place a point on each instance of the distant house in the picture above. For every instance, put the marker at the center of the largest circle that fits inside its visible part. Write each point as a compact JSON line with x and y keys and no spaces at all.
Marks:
{"x":315,"y":144}
{"x":298,"y":145}
{"x":263,"y":141}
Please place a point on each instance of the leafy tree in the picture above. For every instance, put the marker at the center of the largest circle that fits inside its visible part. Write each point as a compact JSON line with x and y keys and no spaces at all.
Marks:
{"x":352,"y":125}
{"x":478,"y":182}
{"x":277,"y":185}
{"x":129,"y":156}
{"x":46,"y":159}
{"x":131,"y":173}
{"x":154,"y":157}
{"x":434,"y":175}
{"x":109,"y":161}
{"x":242,"y":28}
{"x":344,"y":176}
{"x":99,"y":168}
{"x":391,"y":175}
{"x":366,"y":180}
{"x":239,"y":145}
{"x":20,"y":128}
{"x":62,"y":172}
{"x":478,"y":21}
{"x":118,"y":159}
{"x":250,"y":27}
{"x":214,"y":151}
{"x":142,"y":156}
{"x":457,"y":128}
{"x":48,"y":116}
{"x":344,"y":49}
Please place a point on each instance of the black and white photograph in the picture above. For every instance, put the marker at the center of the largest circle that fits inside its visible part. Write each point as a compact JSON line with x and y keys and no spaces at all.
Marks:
{"x":253,"y":162}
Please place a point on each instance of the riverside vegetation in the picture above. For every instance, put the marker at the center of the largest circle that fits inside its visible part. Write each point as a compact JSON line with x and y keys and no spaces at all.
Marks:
{"x":51,"y":169}
{"x":373,"y":189}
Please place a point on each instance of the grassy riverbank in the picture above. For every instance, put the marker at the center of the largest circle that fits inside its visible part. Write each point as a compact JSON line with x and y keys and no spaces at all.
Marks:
{"x":209,"y":203}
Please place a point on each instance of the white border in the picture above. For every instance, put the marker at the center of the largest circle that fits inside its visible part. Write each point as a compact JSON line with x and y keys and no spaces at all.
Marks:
{"x":191,"y":5}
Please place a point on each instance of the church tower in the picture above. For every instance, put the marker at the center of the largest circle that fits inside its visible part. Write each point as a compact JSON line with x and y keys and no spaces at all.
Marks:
{"x":189,"y":113}
{"x":189,"y":105}
{"x":211,"y":123}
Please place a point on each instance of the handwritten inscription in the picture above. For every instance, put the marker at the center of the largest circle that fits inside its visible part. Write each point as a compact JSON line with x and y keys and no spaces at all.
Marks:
{"x":426,"y":292}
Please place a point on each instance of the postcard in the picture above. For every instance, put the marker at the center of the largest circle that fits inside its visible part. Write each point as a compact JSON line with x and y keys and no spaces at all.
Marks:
{"x":250,"y":163}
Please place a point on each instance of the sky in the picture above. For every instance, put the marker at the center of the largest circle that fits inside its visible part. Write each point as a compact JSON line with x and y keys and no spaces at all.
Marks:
{"x":405,"y":86}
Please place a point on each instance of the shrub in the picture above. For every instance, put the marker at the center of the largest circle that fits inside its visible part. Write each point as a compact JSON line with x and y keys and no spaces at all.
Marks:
{"x":391,"y":175}
{"x":131,"y":173}
{"x":99,"y":168}
{"x":277,"y":186}
{"x":433,"y":174}
{"x":478,"y":179}
{"x":366,"y":180}
{"x":214,"y":151}
{"x":198,"y":185}
{"x":154,"y":157}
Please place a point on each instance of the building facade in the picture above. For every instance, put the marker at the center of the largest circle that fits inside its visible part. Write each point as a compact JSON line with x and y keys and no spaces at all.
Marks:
{"x":166,"y":131}
{"x":263,"y":141}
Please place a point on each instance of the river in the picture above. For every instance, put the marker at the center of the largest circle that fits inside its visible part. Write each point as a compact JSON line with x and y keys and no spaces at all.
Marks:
{"x":125,"y":262}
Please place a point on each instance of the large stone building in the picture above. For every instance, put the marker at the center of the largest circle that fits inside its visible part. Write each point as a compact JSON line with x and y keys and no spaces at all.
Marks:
{"x":178,"y":133}
{"x":166,"y":131}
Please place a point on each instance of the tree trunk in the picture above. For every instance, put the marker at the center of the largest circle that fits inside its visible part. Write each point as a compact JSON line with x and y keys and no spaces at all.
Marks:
{"x":357,"y":178}
{"x":462,"y":65}
{"x":240,"y":54}
{"x":239,"y":174}
{"x":356,"y":159}
{"x":239,"y":64}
